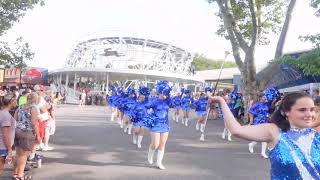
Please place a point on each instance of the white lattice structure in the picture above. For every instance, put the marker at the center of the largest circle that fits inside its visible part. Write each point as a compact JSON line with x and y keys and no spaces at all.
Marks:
{"x":129,"y":53}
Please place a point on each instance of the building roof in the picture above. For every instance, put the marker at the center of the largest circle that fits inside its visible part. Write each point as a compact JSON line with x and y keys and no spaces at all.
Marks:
{"x":227,"y":73}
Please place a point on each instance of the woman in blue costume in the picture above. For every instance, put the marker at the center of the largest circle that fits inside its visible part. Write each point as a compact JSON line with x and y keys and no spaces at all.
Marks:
{"x":186,"y":106}
{"x":159,"y":128}
{"x":119,"y":104}
{"x":138,"y":113}
{"x":259,"y":114}
{"x":128,"y":103}
{"x":112,"y":103}
{"x":294,"y":146}
{"x":200,"y":106}
{"x":227,"y":98}
{"x":176,"y":105}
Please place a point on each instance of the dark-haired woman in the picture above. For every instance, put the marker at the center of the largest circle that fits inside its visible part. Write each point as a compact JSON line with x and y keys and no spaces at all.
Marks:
{"x":7,"y":129}
{"x":294,"y":146}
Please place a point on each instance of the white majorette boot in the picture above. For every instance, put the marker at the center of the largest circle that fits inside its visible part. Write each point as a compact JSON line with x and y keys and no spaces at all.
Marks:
{"x":121,"y":123}
{"x":224,"y":133}
{"x":125,"y":128}
{"x":197,"y":126}
{"x":251,"y":146}
{"x":130,"y":128}
{"x":150,"y":155}
{"x":263,"y":150}
{"x":177,"y":118}
{"x":134,"y":138}
{"x":139,"y":141}
{"x":186,"y":122}
{"x":182,"y":120}
{"x":159,"y":160}
{"x":229,"y":135}
{"x":202,"y":127}
{"x":112,"y":117}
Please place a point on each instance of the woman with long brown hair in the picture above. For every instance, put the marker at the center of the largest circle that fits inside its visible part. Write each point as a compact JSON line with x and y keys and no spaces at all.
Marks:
{"x":294,"y":146}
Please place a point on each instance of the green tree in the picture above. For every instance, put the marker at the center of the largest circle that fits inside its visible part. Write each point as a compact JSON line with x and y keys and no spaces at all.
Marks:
{"x":314,"y":39}
{"x":16,"y":56}
{"x":12,"y":10}
{"x":308,"y":62}
{"x":247,"y":24}
{"x":200,"y":62}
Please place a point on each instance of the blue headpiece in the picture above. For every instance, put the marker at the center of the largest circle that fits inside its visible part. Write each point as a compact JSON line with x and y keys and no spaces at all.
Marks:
{"x":130,"y":90}
{"x":145,"y":91}
{"x":187,"y":91}
{"x":163,"y":88}
{"x":207,"y":89}
{"x":235,"y":95}
{"x":182,"y":90}
{"x":271,"y":93}
{"x":120,"y":90}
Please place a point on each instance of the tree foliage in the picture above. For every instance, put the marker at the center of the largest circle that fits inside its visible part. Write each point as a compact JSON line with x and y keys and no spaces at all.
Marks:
{"x":200,"y":62}
{"x":316,"y":4}
{"x":16,"y":56}
{"x":314,"y":39}
{"x":308,"y":62}
{"x":12,"y":10}
{"x":269,"y":15}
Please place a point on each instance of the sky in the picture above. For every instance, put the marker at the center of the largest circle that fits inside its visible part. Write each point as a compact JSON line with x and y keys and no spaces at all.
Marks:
{"x":52,"y":30}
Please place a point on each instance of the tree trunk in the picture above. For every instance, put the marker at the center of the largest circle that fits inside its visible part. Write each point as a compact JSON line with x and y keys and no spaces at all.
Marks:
{"x":249,"y":86}
{"x":285,"y":27}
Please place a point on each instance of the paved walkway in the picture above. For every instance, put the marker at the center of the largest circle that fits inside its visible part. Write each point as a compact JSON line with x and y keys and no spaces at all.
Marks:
{"x":88,"y":146}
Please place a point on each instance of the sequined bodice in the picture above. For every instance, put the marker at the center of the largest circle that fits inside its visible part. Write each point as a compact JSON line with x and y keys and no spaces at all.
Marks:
{"x":296,"y":156}
{"x":162,"y":109}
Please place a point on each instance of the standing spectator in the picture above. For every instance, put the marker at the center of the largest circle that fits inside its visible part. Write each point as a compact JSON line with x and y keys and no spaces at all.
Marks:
{"x":27,"y":134}
{"x":7,"y":130}
{"x":50,"y":125}
{"x":23,"y":98}
{"x":43,"y":115}
{"x":82,"y":98}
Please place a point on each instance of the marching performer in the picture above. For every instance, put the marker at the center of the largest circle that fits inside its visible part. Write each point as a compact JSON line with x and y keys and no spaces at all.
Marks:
{"x":176,"y":105}
{"x":112,"y":103}
{"x":120,"y":96}
{"x":259,"y":113}
{"x":139,"y":112}
{"x":226,"y":97}
{"x":185,"y":105}
{"x":200,"y":106}
{"x":128,"y":103}
{"x":158,"y":123}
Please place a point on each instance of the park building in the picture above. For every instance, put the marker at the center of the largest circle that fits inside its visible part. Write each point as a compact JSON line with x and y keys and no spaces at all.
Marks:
{"x":95,"y":63}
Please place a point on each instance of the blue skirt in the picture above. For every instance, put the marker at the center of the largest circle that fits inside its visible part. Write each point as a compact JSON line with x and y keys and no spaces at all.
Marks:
{"x":160,"y":128}
{"x":201,"y":113}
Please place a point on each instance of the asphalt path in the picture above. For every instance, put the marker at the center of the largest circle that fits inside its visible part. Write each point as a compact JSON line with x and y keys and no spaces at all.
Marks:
{"x":89,"y":146}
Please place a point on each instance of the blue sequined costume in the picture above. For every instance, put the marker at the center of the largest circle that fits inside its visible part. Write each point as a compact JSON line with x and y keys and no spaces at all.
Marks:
{"x":200,"y":106}
{"x":176,"y":102}
{"x":160,"y":115}
{"x":139,"y":113}
{"x":185,"y":103}
{"x":260,"y":111}
{"x":296,"y":155}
